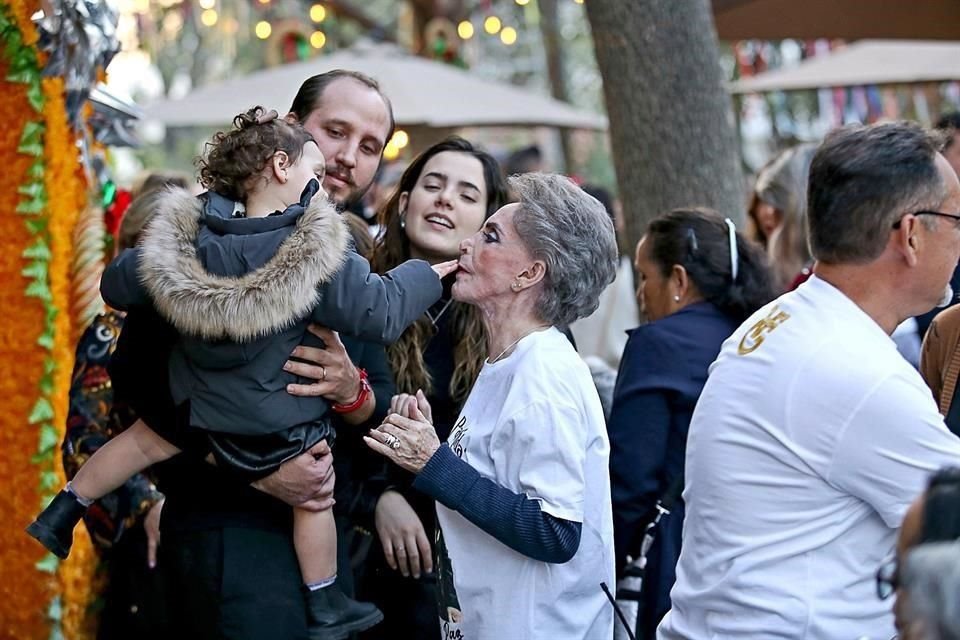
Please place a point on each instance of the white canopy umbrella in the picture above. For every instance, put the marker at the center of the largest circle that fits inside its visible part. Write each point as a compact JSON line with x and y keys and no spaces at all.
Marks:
{"x":423,"y":92}
{"x":867,"y":62}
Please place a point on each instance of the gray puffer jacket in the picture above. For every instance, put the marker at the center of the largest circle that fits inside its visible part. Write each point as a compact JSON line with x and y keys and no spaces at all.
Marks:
{"x":241,"y":293}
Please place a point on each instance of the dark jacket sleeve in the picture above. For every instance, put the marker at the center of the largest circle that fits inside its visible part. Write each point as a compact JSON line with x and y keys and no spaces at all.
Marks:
{"x":639,"y":430}
{"x":139,"y":365}
{"x":120,"y":287}
{"x":376,"y":308}
{"x":511,"y":518}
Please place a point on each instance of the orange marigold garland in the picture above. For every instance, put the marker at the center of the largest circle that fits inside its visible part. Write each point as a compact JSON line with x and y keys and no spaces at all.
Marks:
{"x":23,"y":591}
{"x":43,"y":181}
{"x":66,"y":187}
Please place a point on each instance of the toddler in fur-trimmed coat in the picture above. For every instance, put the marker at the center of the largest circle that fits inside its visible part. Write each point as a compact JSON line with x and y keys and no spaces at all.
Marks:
{"x":241,"y":292}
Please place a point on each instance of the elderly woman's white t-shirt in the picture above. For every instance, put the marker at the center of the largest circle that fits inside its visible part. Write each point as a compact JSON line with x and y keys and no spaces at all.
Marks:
{"x":533,"y":423}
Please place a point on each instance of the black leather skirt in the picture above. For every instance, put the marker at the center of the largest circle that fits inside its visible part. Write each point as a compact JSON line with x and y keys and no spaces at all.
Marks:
{"x":260,"y":455}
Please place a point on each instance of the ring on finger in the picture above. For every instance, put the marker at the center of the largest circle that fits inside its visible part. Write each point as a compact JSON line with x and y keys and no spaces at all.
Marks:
{"x":323,"y":373}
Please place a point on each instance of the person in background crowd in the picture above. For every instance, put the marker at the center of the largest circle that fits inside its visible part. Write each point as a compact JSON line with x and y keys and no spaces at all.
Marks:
{"x":940,"y":329}
{"x":522,"y":483}
{"x":940,"y":364}
{"x":930,"y":598}
{"x":699,"y":279}
{"x":442,"y":198}
{"x":778,"y":214}
{"x":949,"y":125}
{"x":524,"y":160}
{"x":228,"y":557}
{"x":125,"y":524}
{"x":934,"y":516}
{"x":792,"y":493}
{"x":380,"y":191}
{"x":602,"y":334}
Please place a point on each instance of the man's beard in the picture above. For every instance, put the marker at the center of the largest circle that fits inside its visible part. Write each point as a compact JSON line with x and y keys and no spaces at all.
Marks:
{"x":947,"y":297}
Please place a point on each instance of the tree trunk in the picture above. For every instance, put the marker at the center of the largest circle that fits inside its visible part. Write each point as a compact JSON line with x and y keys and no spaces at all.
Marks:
{"x":553,"y":49}
{"x":671,"y":123}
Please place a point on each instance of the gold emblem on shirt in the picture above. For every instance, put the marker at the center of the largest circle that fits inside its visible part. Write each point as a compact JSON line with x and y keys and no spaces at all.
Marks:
{"x":755,"y":336}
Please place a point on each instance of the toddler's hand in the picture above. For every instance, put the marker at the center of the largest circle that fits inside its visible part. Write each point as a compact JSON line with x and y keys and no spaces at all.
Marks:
{"x":445,"y":268}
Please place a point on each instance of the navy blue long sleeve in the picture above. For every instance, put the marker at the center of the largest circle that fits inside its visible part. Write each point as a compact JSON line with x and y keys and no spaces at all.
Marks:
{"x":511,"y":518}
{"x":637,"y":461}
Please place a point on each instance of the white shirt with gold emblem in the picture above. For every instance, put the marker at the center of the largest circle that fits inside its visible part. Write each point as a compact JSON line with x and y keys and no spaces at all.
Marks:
{"x":811,"y":438}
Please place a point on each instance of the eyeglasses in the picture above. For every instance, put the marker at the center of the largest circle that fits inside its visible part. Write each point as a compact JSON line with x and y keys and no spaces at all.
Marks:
{"x":888,"y":579}
{"x":952,"y":216}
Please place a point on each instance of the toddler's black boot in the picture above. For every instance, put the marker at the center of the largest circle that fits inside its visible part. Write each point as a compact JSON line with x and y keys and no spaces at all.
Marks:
{"x":54,"y":526}
{"x":334,"y":616}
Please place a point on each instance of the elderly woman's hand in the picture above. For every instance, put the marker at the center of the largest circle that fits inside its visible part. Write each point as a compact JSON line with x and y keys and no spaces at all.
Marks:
{"x":407,"y":440}
{"x":404,"y":404}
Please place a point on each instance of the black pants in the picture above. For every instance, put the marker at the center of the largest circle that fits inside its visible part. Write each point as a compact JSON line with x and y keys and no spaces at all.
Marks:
{"x":409,"y":605}
{"x":133,"y":603}
{"x":233,"y":583}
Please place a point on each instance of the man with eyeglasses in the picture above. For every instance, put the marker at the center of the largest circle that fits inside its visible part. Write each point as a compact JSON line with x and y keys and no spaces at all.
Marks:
{"x":813,"y":435}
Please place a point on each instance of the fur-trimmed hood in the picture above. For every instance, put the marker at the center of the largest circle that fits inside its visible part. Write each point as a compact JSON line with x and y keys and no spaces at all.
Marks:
{"x":243,"y":308}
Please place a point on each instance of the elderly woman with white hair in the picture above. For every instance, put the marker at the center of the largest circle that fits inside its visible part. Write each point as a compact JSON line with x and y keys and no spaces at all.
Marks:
{"x":522,"y":483}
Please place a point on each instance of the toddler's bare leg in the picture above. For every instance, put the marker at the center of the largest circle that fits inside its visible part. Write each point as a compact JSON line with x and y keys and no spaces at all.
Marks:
{"x":315,"y":539}
{"x":121,"y":458}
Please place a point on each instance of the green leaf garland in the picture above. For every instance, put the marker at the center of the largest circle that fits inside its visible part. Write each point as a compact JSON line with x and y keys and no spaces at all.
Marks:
{"x":24,"y":67}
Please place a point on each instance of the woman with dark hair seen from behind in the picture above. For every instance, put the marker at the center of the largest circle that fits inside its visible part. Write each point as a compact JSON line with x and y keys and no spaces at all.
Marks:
{"x":443,"y":197}
{"x":698,"y":280}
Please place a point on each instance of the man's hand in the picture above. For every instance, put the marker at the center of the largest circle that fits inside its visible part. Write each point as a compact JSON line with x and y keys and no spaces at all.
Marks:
{"x":151,"y":525}
{"x":337,"y":378}
{"x":404,"y":540}
{"x":305,"y":481}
